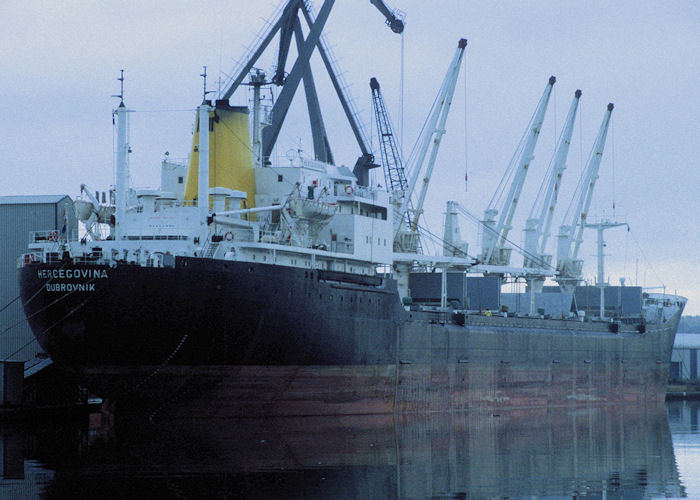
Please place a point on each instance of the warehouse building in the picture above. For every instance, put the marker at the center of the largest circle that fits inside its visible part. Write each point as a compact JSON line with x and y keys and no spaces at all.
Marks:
{"x":685,"y":364}
{"x":20,"y":218}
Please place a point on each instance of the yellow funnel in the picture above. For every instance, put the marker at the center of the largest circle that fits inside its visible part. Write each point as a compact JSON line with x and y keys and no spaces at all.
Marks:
{"x":230,"y":156}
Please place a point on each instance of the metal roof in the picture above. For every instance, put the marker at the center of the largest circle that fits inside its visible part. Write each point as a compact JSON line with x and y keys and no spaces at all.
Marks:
{"x":687,"y":341}
{"x":32,"y":199}
{"x":36,"y":364}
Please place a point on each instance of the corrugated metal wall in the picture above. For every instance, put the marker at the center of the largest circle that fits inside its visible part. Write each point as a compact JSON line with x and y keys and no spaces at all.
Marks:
{"x":481,"y":292}
{"x":621,"y":300}
{"x":684,"y":364}
{"x":17,"y":219}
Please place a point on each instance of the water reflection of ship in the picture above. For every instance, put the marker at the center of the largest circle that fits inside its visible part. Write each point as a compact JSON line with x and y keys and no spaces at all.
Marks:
{"x":602,"y":451}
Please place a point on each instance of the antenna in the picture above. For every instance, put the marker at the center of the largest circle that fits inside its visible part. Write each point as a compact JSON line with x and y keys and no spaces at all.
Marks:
{"x":121,"y":88}
{"x":204,"y":84}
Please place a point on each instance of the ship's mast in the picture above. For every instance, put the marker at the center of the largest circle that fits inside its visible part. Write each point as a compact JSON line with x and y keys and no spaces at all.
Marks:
{"x":600,"y":281}
{"x":122,"y":186}
{"x":600,"y":227}
{"x":257,"y":80}
{"x":203,"y":180}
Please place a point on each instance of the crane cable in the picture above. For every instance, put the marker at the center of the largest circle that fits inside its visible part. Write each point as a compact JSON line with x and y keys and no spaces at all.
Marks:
{"x":401,"y":91}
{"x":639,"y":247}
{"x":612,"y":133}
{"x":9,"y":303}
{"x":467,"y":214}
{"x":5,"y":330}
{"x":498,"y":198}
{"x":580,"y":139}
{"x":45,"y":307}
{"x":466,"y":163}
{"x":46,"y":330}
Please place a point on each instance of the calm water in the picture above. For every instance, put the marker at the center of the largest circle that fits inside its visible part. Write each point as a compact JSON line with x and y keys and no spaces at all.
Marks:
{"x":647,"y":452}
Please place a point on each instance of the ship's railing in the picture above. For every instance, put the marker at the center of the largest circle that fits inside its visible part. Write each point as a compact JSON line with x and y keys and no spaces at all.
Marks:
{"x":659,"y":308}
{"x":316,"y":165}
{"x":28,"y":258}
{"x":96,"y":256}
{"x":35,"y":257}
{"x":271,"y":233}
{"x":52,"y":236}
{"x":663,"y":300}
{"x":564,"y":325}
{"x":360,"y":191}
{"x":365,"y":192}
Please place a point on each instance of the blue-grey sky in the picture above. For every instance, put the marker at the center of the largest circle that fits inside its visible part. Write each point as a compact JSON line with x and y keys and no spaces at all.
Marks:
{"x":60,"y":62}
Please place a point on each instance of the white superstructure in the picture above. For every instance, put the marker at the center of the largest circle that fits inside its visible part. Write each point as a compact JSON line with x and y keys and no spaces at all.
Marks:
{"x":307,"y":214}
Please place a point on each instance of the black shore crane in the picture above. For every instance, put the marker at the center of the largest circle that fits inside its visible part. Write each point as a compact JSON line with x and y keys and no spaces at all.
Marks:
{"x":289,"y":24}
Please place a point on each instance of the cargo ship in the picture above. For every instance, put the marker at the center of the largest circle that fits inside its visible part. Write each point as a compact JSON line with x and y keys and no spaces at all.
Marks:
{"x":300,"y":288}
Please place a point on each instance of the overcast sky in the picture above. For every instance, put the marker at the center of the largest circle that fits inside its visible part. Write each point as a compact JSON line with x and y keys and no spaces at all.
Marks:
{"x":60,"y":61}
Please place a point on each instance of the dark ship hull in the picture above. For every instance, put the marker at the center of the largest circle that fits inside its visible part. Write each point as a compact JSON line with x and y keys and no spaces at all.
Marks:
{"x":241,"y":339}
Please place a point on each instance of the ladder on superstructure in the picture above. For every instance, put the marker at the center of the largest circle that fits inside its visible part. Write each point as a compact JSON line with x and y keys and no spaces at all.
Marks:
{"x":210,"y":250}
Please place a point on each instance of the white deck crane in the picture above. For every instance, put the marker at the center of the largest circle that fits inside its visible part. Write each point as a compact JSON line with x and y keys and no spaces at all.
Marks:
{"x":494,"y":236}
{"x":570,"y":235}
{"x":538,"y":225}
{"x":406,"y":239}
